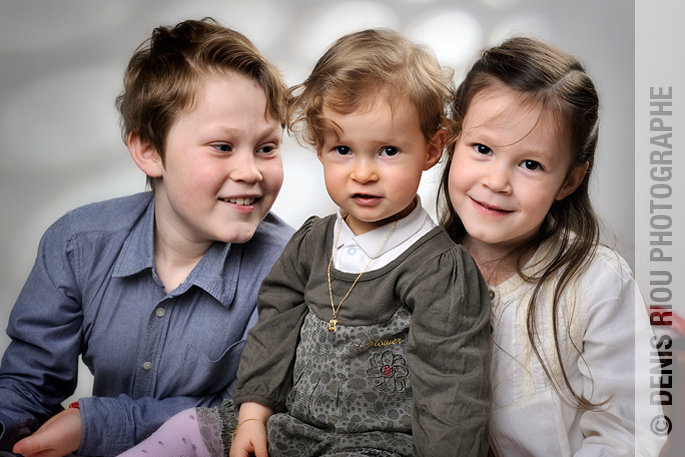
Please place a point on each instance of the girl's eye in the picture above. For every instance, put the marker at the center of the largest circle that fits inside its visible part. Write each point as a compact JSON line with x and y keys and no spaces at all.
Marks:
{"x":531,"y":165}
{"x":389,"y":151}
{"x":342,"y":150}
{"x":482,"y":149}
{"x":223,"y":147}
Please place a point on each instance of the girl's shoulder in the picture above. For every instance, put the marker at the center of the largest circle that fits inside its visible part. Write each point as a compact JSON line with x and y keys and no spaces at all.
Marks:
{"x":312,"y":238}
{"x":602,"y":260}
{"x":315,"y":226}
{"x":604,"y":274}
{"x":606,"y":287}
{"x":606,"y":261}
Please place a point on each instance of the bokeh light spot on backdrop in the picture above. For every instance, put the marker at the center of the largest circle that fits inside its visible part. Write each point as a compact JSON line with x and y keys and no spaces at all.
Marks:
{"x":529,"y":24}
{"x":455,"y":36}
{"x":501,"y":4}
{"x":316,"y":30}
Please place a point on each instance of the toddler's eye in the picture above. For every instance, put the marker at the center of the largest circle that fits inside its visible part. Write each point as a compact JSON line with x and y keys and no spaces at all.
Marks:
{"x":482,"y":149}
{"x":531,"y":165}
{"x":342,"y":150}
{"x":389,"y":151}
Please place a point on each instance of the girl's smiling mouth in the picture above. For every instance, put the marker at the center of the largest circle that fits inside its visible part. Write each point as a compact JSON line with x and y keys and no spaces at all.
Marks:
{"x":490,"y":209}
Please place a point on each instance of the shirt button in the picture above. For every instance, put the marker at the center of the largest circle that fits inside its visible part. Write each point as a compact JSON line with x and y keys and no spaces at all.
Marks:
{"x":351,"y":251}
{"x":160,"y":312}
{"x":147,"y":366}
{"x":492,"y":294}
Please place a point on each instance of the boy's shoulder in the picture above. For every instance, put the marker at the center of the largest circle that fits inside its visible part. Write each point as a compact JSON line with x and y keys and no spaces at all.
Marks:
{"x":109,"y":215}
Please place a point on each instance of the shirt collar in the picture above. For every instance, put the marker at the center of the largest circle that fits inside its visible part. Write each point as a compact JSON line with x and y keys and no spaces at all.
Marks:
{"x":215,"y":273}
{"x":137,"y":253}
{"x":370,"y":241}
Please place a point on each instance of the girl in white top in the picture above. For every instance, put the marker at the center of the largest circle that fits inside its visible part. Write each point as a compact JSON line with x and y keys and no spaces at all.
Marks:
{"x":571,"y":333}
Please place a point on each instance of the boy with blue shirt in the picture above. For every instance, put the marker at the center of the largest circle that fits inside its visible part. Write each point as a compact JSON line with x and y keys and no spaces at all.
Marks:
{"x":156,"y":291}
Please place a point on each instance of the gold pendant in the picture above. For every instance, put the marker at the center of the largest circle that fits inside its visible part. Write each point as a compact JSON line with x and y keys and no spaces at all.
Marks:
{"x":332,"y":325}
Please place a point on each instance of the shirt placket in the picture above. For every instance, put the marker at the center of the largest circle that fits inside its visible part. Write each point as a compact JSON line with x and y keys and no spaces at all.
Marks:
{"x":152,"y":348}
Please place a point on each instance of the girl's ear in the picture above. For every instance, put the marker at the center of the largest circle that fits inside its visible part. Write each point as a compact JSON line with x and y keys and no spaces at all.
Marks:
{"x":573,"y":181}
{"x":145,"y":156}
{"x":435,"y":148}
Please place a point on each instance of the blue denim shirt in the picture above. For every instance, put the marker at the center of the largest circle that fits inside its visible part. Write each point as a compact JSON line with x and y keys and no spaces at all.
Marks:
{"x":94,"y":291}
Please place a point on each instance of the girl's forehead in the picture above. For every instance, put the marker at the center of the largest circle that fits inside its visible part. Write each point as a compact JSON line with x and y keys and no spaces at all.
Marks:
{"x":501,"y":106}
{"x":378,"y":109}
{"x":505,"y":118}
{"x":368,"y":103}
{"x":507,"y":110}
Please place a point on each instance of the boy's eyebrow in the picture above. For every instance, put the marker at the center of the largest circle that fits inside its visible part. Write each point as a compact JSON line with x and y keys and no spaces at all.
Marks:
{"x":273,"y":130}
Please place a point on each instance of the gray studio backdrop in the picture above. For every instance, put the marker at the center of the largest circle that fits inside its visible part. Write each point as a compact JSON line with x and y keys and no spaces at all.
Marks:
{"x":61,"y":63}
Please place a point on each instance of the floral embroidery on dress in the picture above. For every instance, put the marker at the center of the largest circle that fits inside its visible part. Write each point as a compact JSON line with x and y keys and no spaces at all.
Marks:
{"x":388,"y":372}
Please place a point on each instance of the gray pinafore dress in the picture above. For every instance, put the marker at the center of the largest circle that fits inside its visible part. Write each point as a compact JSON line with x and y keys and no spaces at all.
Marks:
{"x":351,"y":395}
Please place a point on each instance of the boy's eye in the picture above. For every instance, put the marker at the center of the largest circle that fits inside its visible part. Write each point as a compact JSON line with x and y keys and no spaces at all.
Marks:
{"x":389,"y":151}
{"x":342,"y":150}
{"x":267,"y":149}
{"x":531,"y":165}
{"x":482,"y":149}
{"x":224,"y":147}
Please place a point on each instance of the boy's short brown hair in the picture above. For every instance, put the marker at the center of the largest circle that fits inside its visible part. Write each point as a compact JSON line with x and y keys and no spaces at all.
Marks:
{"x":364,"y":65}
{"x":166,"y":71}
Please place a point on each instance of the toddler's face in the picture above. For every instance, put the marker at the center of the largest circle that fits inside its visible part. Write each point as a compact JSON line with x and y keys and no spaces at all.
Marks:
{"x":222,"y":169}
{"x":373,"y":166}
{"x":509,"y":166}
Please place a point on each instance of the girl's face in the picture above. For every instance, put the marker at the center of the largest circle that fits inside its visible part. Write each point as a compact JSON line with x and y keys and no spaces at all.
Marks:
{"x":373,"y":165}
{"x":509,"y":165}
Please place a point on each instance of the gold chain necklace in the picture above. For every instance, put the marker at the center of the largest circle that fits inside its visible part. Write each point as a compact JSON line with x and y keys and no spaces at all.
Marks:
{"x":333,"y":323}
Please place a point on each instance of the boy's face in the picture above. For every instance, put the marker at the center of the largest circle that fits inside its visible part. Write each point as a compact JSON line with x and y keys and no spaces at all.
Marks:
{"x":373,"y":166}
{"x":222,"y":167}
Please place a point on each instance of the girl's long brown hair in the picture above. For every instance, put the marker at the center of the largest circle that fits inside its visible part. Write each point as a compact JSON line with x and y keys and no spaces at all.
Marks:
{"x":548,"y":77}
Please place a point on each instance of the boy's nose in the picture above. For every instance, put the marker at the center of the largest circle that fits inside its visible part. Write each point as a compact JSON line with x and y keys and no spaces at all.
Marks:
{"x":245,"y":168}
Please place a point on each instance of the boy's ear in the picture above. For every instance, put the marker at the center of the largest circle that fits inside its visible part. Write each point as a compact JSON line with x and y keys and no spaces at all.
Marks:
{"x":435,"y":148}
{"x":145,"y":156}
{"x":573,"y":181}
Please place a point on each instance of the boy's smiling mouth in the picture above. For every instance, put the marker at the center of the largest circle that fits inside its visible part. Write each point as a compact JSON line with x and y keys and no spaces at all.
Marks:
{"x":240,"y":201}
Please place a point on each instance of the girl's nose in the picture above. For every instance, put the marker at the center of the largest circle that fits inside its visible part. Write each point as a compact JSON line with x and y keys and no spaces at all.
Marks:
{"x":364,"y":170}
{"x":498,"y":179}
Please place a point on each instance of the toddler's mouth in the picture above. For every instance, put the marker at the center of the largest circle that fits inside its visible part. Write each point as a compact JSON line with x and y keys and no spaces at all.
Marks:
{"x":364,"y":196}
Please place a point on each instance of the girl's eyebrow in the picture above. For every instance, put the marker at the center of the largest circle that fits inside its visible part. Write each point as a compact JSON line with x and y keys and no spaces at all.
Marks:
{"x":480,"y":132}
